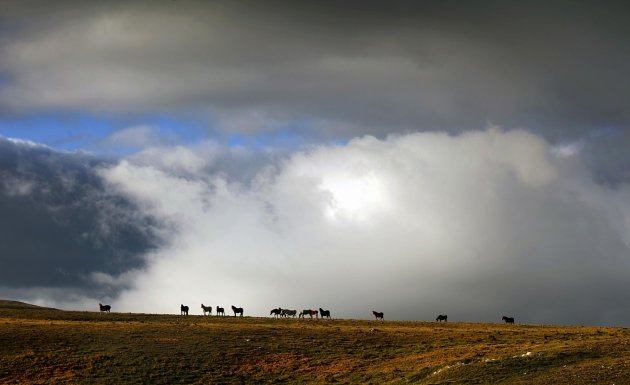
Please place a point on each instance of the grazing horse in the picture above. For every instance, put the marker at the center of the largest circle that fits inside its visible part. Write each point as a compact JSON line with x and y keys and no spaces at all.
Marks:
{"x":183,"y":310}
{"x":104,"y":308}
{"x":310,"y":312}
{"x":324,"y":313}
{"x":276,"y":312}
{"x":442,"y":318}
{"x":378,"y":314}
{"x":220,"y":311}
{"x":237,"y":310}
{"x":288,"y":313}
{"x":508,"y":320}
{"x":206,"y":309}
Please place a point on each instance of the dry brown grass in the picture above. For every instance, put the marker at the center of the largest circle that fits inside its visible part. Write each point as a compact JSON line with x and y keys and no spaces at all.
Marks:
{"x":47,"y":347}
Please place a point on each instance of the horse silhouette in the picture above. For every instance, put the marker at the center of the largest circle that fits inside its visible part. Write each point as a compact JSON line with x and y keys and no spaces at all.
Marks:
{"x":220,"y":311}
{"x":378,"y":314}
{"x":310,"y":312}
{"x":206,"y":309}
{"x":288,"y":313}
{"x":237,"y":310}
{"x":276,"y":312}
{"x":508,"y":320}
{"x":104,"y":308}
{"x":441,"y":318}
{"x":183,"y":310}
{"x":324,"y":313}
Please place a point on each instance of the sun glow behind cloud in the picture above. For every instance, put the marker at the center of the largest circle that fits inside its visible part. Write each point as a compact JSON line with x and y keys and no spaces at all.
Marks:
{"x":385,"y":222}
{"x":354,"y":197}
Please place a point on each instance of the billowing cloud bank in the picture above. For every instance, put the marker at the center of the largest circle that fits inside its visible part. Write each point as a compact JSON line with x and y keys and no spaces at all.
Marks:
{"x":474,"y":226}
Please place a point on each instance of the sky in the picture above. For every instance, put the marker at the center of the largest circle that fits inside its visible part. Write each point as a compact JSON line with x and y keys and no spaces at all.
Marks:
{"x":414,"y":158}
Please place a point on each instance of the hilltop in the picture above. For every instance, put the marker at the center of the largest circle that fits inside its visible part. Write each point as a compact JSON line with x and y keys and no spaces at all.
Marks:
{"x":54,"y":346}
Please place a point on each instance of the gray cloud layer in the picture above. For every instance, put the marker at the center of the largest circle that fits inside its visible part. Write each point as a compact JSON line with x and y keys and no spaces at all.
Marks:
{"x":332,"y":70}
{"x":350,"y":68}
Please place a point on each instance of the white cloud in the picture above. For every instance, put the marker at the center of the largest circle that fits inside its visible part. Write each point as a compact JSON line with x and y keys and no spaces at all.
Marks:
{"x":567,"y":150}
{"x":25,"y":143}
{"x":475,"y":226}
{"x":140,"y":136}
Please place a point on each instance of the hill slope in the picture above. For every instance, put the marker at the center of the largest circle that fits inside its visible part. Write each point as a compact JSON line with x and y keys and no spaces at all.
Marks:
{"x":86,"y":347}
{"x":17,"y":305}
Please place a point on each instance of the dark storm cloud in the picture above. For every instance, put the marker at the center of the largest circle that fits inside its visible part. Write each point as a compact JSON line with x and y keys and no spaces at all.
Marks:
{"x":59,"y":224}
{"x":606,"y":153}
{"x":344,"y":68}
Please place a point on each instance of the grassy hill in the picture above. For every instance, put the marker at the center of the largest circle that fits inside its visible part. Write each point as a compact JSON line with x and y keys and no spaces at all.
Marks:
{"x":52,"y":346}
{"x":17,"y":305}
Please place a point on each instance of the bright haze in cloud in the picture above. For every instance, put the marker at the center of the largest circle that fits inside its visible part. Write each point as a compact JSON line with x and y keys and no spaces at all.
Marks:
{"x":470,"y":225}
{"x":416,"y":158}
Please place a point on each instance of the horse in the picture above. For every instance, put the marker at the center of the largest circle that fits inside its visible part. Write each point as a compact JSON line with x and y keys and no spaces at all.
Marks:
{"x":104,"y":308}
{"x":237,"y":310}
{"x":442,"y":318}
{"x":220,"y":311}
{"x":206,"y":309}
{"x":276,"y":312}
{"x":183,"y":310}
{"x":324,"y":313}
{"x":508,"y":320}
{"x":288,"y":313}
{"x":378,"y":314}
{"x":310,"y":312}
